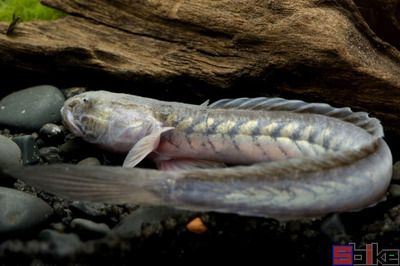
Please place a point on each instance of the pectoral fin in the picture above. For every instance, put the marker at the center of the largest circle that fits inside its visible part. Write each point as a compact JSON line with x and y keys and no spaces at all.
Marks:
{"x":186,"y":164}
{"x":143,"y":147}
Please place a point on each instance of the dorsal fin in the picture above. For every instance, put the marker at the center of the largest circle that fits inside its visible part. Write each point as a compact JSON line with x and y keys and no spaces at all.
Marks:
{"x":360,"y":119}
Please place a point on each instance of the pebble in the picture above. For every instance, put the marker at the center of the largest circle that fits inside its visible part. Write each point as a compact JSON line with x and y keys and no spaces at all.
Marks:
{"x":21,"y":211}
{"x":62,"y":245}
{"x":90,"y":161}
{"x":70,"y":92}
{"x":394,"y":190}
{"x":90,"y":209}
{"x":333,"y":227}
{"x":50,"y":154}
{"x":51,"y":133}
{"x":396,"y":171}
{"x":197,"y":226}
{"x":10,"y":153}
{"x":31,"y":108}
{"x":29,"y":149}
{"x":89,"y":230}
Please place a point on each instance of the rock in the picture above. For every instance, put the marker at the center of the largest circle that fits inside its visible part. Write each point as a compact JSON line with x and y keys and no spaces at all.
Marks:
{"x":21,"y":211}
{"x":148,"y":220}
{"x":10,"y":153}
{"x":30,"y":151}
{"x":90,"y":161}
{"x":62,"y":245}
{"x":31,"y":108}
{"x":51,"y":133}
{"x":394,"y":190}
{"x":90,"y":209}
{"x":396,"y":171}
{"x":333,"y":227}
{"x":88,"y":229}
{"x":69,"y":92}
{"x":50,"y":154}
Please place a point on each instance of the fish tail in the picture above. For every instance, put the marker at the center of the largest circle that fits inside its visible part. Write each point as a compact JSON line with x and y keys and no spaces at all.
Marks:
{"x":114,"y":185}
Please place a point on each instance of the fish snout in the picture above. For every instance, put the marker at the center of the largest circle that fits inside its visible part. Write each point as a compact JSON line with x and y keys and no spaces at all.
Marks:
{"x":69,"y":116}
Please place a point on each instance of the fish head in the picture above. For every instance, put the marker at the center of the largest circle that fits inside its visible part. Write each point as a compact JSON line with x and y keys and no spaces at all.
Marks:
{"x":87,"y":116}
{"x":105,"y":119}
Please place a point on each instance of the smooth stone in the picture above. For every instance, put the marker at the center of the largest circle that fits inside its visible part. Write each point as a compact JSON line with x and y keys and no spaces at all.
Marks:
{"x":396,"y":171}
{"x":50,"y":154}
{"x":333,"y":227}
{"x":62,"y":245}
{"x":394,"y":190}
{"x":90,"y":161}
{"x":51,"y":133}
{"x":30,"y":151}
{"x":91,"y":209}
{"x":21,"y":211}
{"x":147,"y":221}
{"x":31,"y":108}
{"x":10,"y":153}
{"x":88,"y":229}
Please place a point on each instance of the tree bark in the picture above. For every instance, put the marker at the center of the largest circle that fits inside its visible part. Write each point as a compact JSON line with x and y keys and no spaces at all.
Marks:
{"x":309,"y":49}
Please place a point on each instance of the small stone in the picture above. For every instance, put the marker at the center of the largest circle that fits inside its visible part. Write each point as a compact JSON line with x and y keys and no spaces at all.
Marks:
{"x":21,"y":211}
{"x":10,"y":153}
{"x":30,"y":151}
{"x":90,"y":209}
{"x":69,"y":92}
{"x":396,"y":171}
{"x":51,"y":133}
{"x":62,"y":245}
{"x":88,"y":229}
{"x":333,"y":227}
{"x":196,"y":226}
{"x":90,"y":161}
{"x":50,"y":154}
{"x":394,"y":190}
{"x":31,"y":108}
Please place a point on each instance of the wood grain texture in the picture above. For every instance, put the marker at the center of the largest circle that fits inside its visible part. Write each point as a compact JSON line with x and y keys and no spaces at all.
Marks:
{"x":309,"y":49}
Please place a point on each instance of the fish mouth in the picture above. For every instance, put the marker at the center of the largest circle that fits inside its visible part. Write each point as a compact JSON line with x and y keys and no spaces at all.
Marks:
{"x":69,"y":120}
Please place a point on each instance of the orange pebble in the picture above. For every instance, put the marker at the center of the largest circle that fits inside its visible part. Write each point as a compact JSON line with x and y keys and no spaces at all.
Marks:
{"x":196,"y":226}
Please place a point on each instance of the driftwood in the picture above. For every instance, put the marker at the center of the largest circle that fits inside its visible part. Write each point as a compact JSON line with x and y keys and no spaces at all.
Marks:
{"x":309,"y":49}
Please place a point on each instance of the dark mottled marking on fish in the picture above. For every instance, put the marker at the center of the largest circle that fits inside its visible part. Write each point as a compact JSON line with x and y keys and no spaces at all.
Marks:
{"x":276,"y":132}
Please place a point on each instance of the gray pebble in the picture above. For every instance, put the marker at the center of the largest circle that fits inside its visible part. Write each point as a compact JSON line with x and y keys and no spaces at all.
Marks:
{"x":10,"y":153}
{"x":29,"y":149}
{"x":31,"y":108}
{"x":394,"y":190}
{"x":333,"y":227}
{"x":62,"y":245}
{"x":50,"y":154}
{"x":396,"y":171}
{"x":90,"y":161}
{"x":88,"y":229}
{"x":21,"y":211}
{"x":91,"y":209}
{"x":69,"y":92}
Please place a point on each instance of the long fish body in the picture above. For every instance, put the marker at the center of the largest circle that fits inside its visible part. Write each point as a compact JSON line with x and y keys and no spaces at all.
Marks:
{"x":293,"y":159}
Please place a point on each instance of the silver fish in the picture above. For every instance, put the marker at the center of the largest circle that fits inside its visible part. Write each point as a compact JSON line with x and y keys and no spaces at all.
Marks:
{"x":295,"y":159}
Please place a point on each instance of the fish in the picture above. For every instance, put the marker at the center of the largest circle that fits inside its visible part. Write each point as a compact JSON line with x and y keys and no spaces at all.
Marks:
{"x":268,"y":157}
